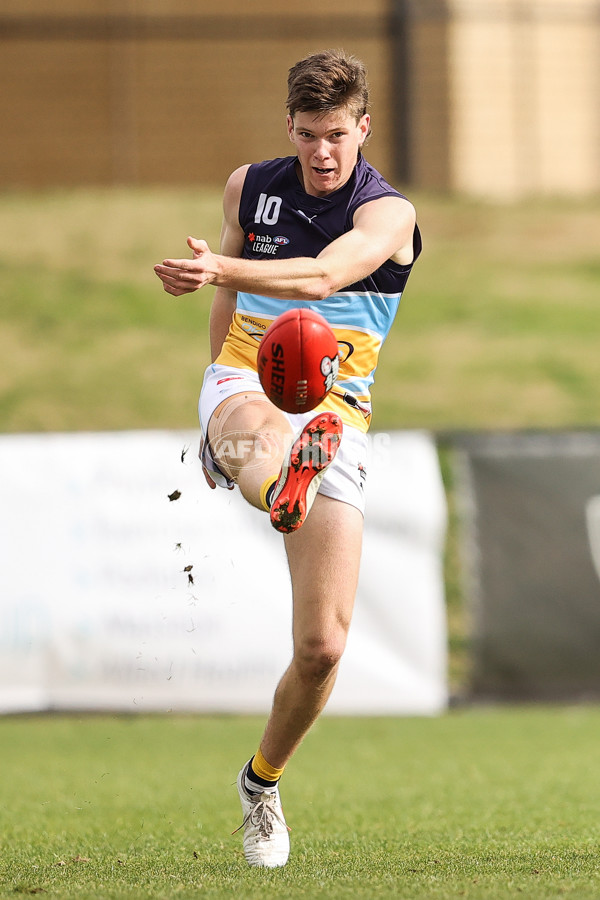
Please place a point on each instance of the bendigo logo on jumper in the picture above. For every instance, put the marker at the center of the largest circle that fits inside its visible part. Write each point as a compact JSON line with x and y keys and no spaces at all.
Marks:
{"x":266,"y":245}
{"x":254,"y":328}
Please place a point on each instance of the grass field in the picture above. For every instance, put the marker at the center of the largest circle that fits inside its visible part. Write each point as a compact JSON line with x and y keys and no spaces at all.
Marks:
{"x":493,"y":803}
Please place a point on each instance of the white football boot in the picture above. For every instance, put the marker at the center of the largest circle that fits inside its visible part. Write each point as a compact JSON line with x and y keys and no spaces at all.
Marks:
{"x":266,"y":838}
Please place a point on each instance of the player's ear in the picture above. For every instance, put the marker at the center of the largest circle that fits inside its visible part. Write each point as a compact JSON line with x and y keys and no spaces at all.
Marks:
{"x":364,"y":124}
{"x":290,"y":128}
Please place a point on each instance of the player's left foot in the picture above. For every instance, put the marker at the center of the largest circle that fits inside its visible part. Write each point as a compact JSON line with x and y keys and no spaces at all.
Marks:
{"x":266,"y":838}
{"x":303,"y":470}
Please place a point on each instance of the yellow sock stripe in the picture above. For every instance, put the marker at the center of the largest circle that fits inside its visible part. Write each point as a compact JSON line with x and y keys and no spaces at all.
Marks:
{"x":264,"y":490}
{"x":263,"y":769}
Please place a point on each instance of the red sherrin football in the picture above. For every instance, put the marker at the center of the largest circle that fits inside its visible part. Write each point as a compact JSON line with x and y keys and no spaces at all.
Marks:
{"x":298,"y":360}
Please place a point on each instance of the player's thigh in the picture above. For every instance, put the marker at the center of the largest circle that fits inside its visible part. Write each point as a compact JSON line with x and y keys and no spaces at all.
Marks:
{"x":324,"y":562}
{"x":233,"y":400}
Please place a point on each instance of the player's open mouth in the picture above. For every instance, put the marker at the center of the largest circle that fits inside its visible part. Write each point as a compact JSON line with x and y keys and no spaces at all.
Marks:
{"x":322,"y":171}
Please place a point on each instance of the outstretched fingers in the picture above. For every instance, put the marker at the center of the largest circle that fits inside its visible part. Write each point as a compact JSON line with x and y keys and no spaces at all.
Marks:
{"x":182,"y":276}
{"x":178,"y":278}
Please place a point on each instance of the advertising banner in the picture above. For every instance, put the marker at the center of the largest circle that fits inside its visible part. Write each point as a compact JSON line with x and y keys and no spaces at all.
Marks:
{"x":126,"y":584}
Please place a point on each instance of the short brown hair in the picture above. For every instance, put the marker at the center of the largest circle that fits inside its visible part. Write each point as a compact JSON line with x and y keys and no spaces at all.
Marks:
{"x":326,"y":81}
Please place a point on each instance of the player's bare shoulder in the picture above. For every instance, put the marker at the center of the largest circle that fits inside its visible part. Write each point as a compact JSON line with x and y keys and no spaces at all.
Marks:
{"x":234,"y":187}
{"x":231,"y":232}
{"x":237,"y":177}
{"x":395,"y":217}
{"x":406,"y":217}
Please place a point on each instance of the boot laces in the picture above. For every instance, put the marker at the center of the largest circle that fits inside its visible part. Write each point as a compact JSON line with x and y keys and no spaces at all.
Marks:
{"x":262,"y":815}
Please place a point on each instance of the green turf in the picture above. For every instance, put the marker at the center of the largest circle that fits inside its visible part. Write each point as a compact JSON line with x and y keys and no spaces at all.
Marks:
{"x":492,"y":803}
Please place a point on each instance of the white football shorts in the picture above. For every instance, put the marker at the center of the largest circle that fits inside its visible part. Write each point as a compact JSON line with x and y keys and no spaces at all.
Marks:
{"x":344,"y":478}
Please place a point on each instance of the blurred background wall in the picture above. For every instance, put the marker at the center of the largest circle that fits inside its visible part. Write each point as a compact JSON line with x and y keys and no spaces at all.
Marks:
{"x":489,"y":97}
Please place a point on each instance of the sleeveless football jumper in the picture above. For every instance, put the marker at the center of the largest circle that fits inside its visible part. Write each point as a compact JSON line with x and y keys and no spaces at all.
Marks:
{"x":281,"y":221}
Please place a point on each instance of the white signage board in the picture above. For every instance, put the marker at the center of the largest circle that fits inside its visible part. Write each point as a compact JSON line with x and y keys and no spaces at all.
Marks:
{"x":98,"y":611}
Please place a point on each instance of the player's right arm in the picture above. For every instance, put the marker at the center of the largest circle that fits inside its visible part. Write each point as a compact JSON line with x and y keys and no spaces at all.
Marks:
{"x":232,"y":244}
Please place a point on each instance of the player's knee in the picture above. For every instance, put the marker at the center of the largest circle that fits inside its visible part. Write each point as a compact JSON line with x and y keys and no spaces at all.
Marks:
{"x":253,"y":432}
{"x":317,"y":658}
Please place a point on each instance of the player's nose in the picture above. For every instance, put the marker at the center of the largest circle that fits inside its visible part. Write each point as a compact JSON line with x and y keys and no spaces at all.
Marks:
{"x":322,"y":151}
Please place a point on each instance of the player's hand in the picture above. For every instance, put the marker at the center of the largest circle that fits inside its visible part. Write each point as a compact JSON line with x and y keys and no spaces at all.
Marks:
{"x":210,"y":482}
{"x":183,"y":276}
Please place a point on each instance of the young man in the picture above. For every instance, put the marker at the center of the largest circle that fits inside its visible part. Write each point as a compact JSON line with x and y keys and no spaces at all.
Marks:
{"x":321,"y":228}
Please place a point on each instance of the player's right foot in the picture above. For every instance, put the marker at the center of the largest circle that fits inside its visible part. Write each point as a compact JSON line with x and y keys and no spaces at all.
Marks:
{"x":303,"y":469}
{"x":266,"y":837}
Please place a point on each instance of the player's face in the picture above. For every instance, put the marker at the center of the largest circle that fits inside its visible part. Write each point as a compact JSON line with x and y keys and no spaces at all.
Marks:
{"x":327,"y":147}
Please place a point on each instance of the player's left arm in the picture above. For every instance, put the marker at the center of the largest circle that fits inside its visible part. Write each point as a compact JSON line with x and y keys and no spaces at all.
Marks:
{"x":382,"y":229}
